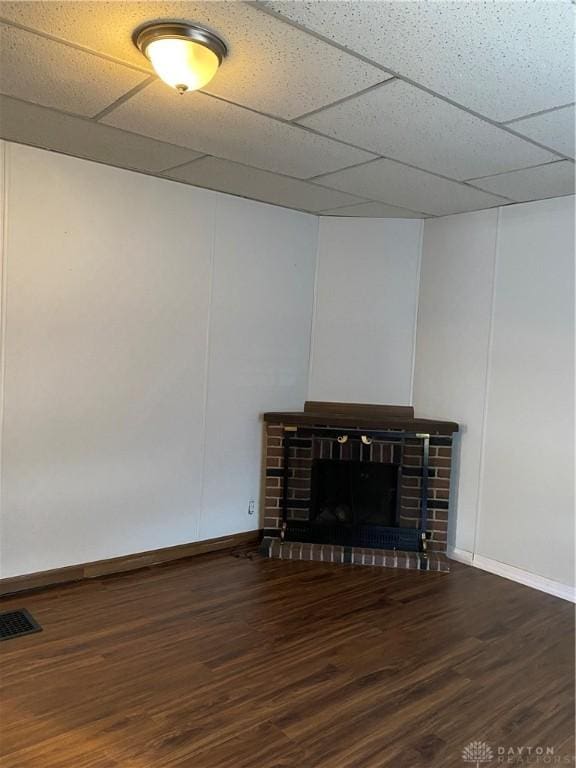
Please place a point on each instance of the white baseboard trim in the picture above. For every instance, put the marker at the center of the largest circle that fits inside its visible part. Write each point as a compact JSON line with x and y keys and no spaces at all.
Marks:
{"x":460,"y":555}
{"x":549,"y":586}
{"x":533,"y":580}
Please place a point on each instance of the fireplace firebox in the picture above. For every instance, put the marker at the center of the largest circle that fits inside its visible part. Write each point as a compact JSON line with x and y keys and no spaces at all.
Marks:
{"x":353,"y":493}
{"x":355,"y":502}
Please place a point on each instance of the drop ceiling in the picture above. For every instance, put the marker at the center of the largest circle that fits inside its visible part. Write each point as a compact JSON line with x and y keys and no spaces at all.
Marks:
{"x":356,"y":108}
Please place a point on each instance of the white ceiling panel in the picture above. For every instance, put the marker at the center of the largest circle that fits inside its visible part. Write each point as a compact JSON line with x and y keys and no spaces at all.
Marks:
{"x":272,"y":68}
{"x":402,"y":122}
{"x":215,"y":127}
{"x":499,"y":58}
{"x":374,"y":211}
{"x":555,"y":129}
{"x":56,"y":75}
{"x":404,"y":187}
{"x":41,"y":127}
{"x":532,"y":183}
{"x":237,"y":179}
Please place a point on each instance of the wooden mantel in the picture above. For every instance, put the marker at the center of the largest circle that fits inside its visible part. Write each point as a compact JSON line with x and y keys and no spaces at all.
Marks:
{"x":362,"y":415}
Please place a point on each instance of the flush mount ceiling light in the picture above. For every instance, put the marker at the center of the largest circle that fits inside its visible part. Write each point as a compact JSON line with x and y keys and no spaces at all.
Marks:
{"x":185,"y":56}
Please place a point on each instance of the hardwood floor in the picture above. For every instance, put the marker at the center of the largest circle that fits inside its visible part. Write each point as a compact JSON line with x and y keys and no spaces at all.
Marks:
{"x":223,"y":662}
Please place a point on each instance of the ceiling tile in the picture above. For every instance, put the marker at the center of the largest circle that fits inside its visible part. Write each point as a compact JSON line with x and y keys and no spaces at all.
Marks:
{"x":215,"y":127}
{"x":501,"y":59}
{"x":272,"y":67}
{"x":29,"y":124}
{"x":237,"y":179}
{"x":404,"y":187}
{"x":56,"y":75}
{"x":374,"y":210}
{"x":402,"y":122}
{"x":538,"y":183}
{"x":555,"y":129}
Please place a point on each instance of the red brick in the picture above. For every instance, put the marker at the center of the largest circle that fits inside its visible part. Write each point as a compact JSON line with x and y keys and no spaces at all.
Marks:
{"x":444,"y":463}
{"x":439,"y":483}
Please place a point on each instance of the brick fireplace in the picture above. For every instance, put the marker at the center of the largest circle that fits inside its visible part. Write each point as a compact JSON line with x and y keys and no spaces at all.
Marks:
{"x":362,"y":484}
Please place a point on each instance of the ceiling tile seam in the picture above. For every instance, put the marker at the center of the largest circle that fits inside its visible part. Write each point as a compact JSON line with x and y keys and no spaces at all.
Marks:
{"x":416,"y":84}
{"x":551,"y":150}
{"x":398,"y":162}
{"x":383,"y":202}
{"x":122,"y":99}
{"x":494,"y":194}
{"x":375,"y":202}
{"x":516,"y":170}
{"x":540,"y":112}
{"x":361,"y":200}
{"x":76,"y":46}
{"x":186,"y":162}
{"x":312,"y":179}
{"x":232,"y":194}
{"x":342,"y":100}
{"x":91,"y":120}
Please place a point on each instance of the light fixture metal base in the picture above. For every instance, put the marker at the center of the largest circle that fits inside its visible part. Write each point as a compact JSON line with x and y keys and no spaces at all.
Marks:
{"x":178,"y":30}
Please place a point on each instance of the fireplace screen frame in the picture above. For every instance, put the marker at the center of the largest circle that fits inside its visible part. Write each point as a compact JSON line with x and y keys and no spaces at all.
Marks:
{"x":375,"y":536}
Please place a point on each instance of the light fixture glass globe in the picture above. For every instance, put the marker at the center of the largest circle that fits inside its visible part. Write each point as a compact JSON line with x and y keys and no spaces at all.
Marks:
{"x":183,"y":64}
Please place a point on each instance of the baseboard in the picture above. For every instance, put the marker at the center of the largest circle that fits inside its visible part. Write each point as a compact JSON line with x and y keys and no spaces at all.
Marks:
{"x":549,"y":586}
{"x":125,"y":563}
{"x":555,"y":588}
{"x":460,"y":555}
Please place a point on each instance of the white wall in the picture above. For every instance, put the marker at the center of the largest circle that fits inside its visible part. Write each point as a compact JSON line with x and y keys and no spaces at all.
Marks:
{"x":365,"y":310}
{"x":140,"y":320}
{"x":259,"y":347}
{"x":526,"y":511}
{"x":495,"y":331}
{"x":452,"y":343}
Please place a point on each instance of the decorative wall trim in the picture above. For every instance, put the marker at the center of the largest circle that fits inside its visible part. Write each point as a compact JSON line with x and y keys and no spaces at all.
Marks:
{"x":528,"y":579}
{"x":126,"y":563}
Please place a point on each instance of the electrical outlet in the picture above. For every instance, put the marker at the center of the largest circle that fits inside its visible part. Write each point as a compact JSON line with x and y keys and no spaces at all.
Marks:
{"x":251,"y":506}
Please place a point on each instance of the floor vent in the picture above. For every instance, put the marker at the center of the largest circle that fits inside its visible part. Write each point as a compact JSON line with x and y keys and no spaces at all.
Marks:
{"x":17,"y":623}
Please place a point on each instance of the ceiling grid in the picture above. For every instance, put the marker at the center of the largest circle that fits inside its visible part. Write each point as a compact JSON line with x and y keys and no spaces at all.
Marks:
{"x":372,"y":108}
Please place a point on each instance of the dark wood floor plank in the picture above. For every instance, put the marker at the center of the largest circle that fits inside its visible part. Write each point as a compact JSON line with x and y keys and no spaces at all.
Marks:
{"x":224,"y":662}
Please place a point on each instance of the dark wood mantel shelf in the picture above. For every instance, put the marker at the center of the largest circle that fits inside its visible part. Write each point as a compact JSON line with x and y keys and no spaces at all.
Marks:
{"x":362,"y":415}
